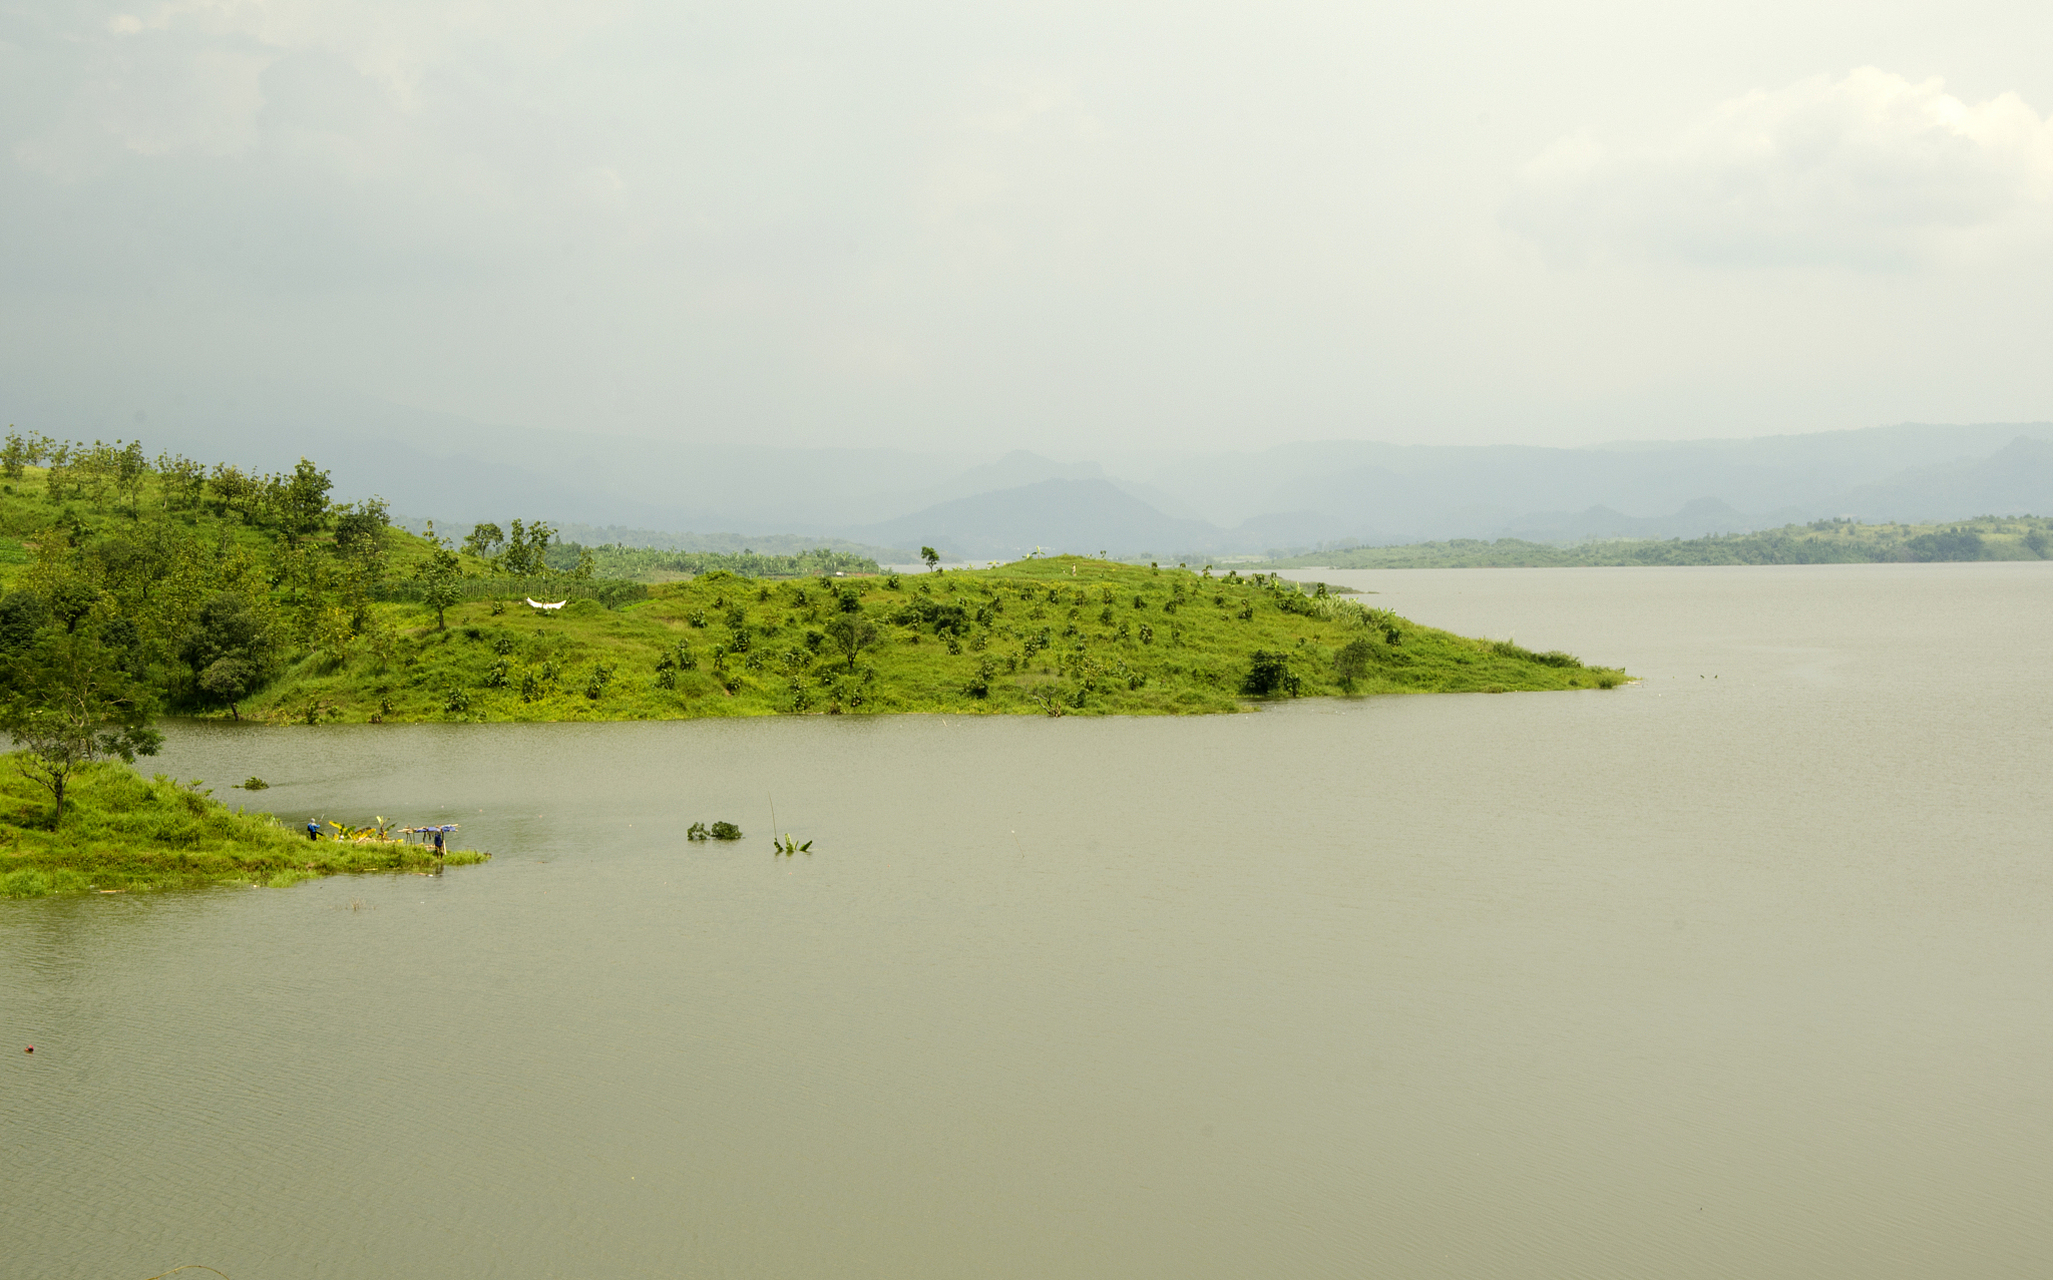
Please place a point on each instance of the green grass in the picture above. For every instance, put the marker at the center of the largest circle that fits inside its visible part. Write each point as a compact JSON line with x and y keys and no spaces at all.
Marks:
{"x":1054,"y":636}
{"x":124,"y":832}
{"x":1821,"y":542}
{"x":1186,"y":648}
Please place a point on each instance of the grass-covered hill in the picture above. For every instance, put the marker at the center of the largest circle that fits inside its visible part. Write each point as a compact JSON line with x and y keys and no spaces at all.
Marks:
{"x":122,"y":832}
{"x":1822,"y":542}
{"x":1062,"y":636}
{"x":257,"y":596}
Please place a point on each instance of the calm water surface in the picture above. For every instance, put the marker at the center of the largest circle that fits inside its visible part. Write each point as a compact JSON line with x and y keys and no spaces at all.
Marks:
{"x":1743,"y":971}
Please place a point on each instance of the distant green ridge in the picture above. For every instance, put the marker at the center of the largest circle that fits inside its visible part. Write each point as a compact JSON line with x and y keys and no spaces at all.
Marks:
{"x":1822,"y":542}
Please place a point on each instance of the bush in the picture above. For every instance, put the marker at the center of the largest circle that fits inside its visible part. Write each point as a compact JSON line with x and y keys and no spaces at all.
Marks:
{"x":1353,"y":662}
{"x":1269,"y":673}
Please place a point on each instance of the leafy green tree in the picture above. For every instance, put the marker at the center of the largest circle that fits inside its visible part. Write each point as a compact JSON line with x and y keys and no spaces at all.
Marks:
{"x":70,"y":705}
{"x":231,"y":490}
{"x":360,"y":531}
{"x":850,"y":634}
{"x":1269,"y":673}
{"x":1353,"y":662}
{"x":183,"y":481}
{"x":484,"y":540}
{"x":527,"y":545}
{"x":229,"y":650}
{"x":22,"y":615}
{"x":441,"y":578}
{"x":932,"y":557}
{"x":303,"y":500}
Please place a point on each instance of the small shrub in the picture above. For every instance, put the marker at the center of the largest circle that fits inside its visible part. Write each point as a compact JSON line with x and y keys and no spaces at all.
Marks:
{"x":1269,"y":673}
{"x":980,"y":683}
{"x":1353,"y":662}
{"x":725,"y":831}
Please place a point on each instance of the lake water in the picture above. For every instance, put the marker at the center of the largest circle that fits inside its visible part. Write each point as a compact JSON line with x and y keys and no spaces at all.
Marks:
{"x":1743,"y":971}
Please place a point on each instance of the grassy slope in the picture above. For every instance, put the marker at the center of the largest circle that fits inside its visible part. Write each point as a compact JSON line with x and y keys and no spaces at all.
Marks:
{"x":1193,"y":662}
{"x":122,"y":831}
{"x":1826,"y":542}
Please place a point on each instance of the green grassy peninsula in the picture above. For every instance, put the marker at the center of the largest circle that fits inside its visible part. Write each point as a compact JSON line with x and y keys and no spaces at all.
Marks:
{"x":1064,"y":636}
{"x":219,"y":592}
{"x":124,"y":832}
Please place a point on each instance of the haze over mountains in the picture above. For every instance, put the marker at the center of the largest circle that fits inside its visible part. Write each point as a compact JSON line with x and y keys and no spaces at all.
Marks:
{"x":977,"y":506}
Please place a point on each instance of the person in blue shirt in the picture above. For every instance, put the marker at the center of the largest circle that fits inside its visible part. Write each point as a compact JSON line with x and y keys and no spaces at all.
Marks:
{"x":313,"y":829}
{"x":438,"y":842}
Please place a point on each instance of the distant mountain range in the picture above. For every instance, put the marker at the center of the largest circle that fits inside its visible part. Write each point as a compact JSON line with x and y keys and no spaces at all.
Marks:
{"x":1291,"y":497}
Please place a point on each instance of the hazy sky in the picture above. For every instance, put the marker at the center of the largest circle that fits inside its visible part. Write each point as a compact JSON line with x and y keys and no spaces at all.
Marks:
{"x":1073,"y":227}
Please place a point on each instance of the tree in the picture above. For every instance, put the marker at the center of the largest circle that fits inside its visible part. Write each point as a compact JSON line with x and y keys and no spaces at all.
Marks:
{"x":360,"y":532}
{"x":1268,"y":673}
{"x":22,"y":615}
{"x":484,"y":539}
{"x":303,"y":499}
{"x":526,"y":546}
{"x":932,"y":557}
{"x":70,"y":706}
{"x":1353,"y":662}
{"x":851,"y":633}
{"x":441,"y":579}
{"x":228,"y":649}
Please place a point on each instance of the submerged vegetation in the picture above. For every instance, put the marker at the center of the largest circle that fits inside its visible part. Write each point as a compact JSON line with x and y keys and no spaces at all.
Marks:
{"x":124,"y":832}
{"x":1839,"y":541}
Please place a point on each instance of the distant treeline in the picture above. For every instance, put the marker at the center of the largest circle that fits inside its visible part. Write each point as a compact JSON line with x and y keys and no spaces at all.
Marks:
{"x":615,"y":561}
{"x":1821,"y":542}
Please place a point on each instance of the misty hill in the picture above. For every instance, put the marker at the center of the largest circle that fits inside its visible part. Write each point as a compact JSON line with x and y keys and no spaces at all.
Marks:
{"x":1081,"y":517}
{"x":889,"y":502}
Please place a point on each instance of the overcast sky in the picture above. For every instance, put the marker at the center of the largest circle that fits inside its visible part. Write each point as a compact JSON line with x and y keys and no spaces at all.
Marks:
{"x":1079,"y":228}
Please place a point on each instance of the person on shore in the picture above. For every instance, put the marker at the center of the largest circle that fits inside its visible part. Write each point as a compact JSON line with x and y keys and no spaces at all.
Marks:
{"x":313,"y":829}
{"x":438,"y":842}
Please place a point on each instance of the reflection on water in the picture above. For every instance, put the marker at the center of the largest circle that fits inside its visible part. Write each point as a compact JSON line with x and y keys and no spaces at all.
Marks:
{"x":1723,"y":976}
